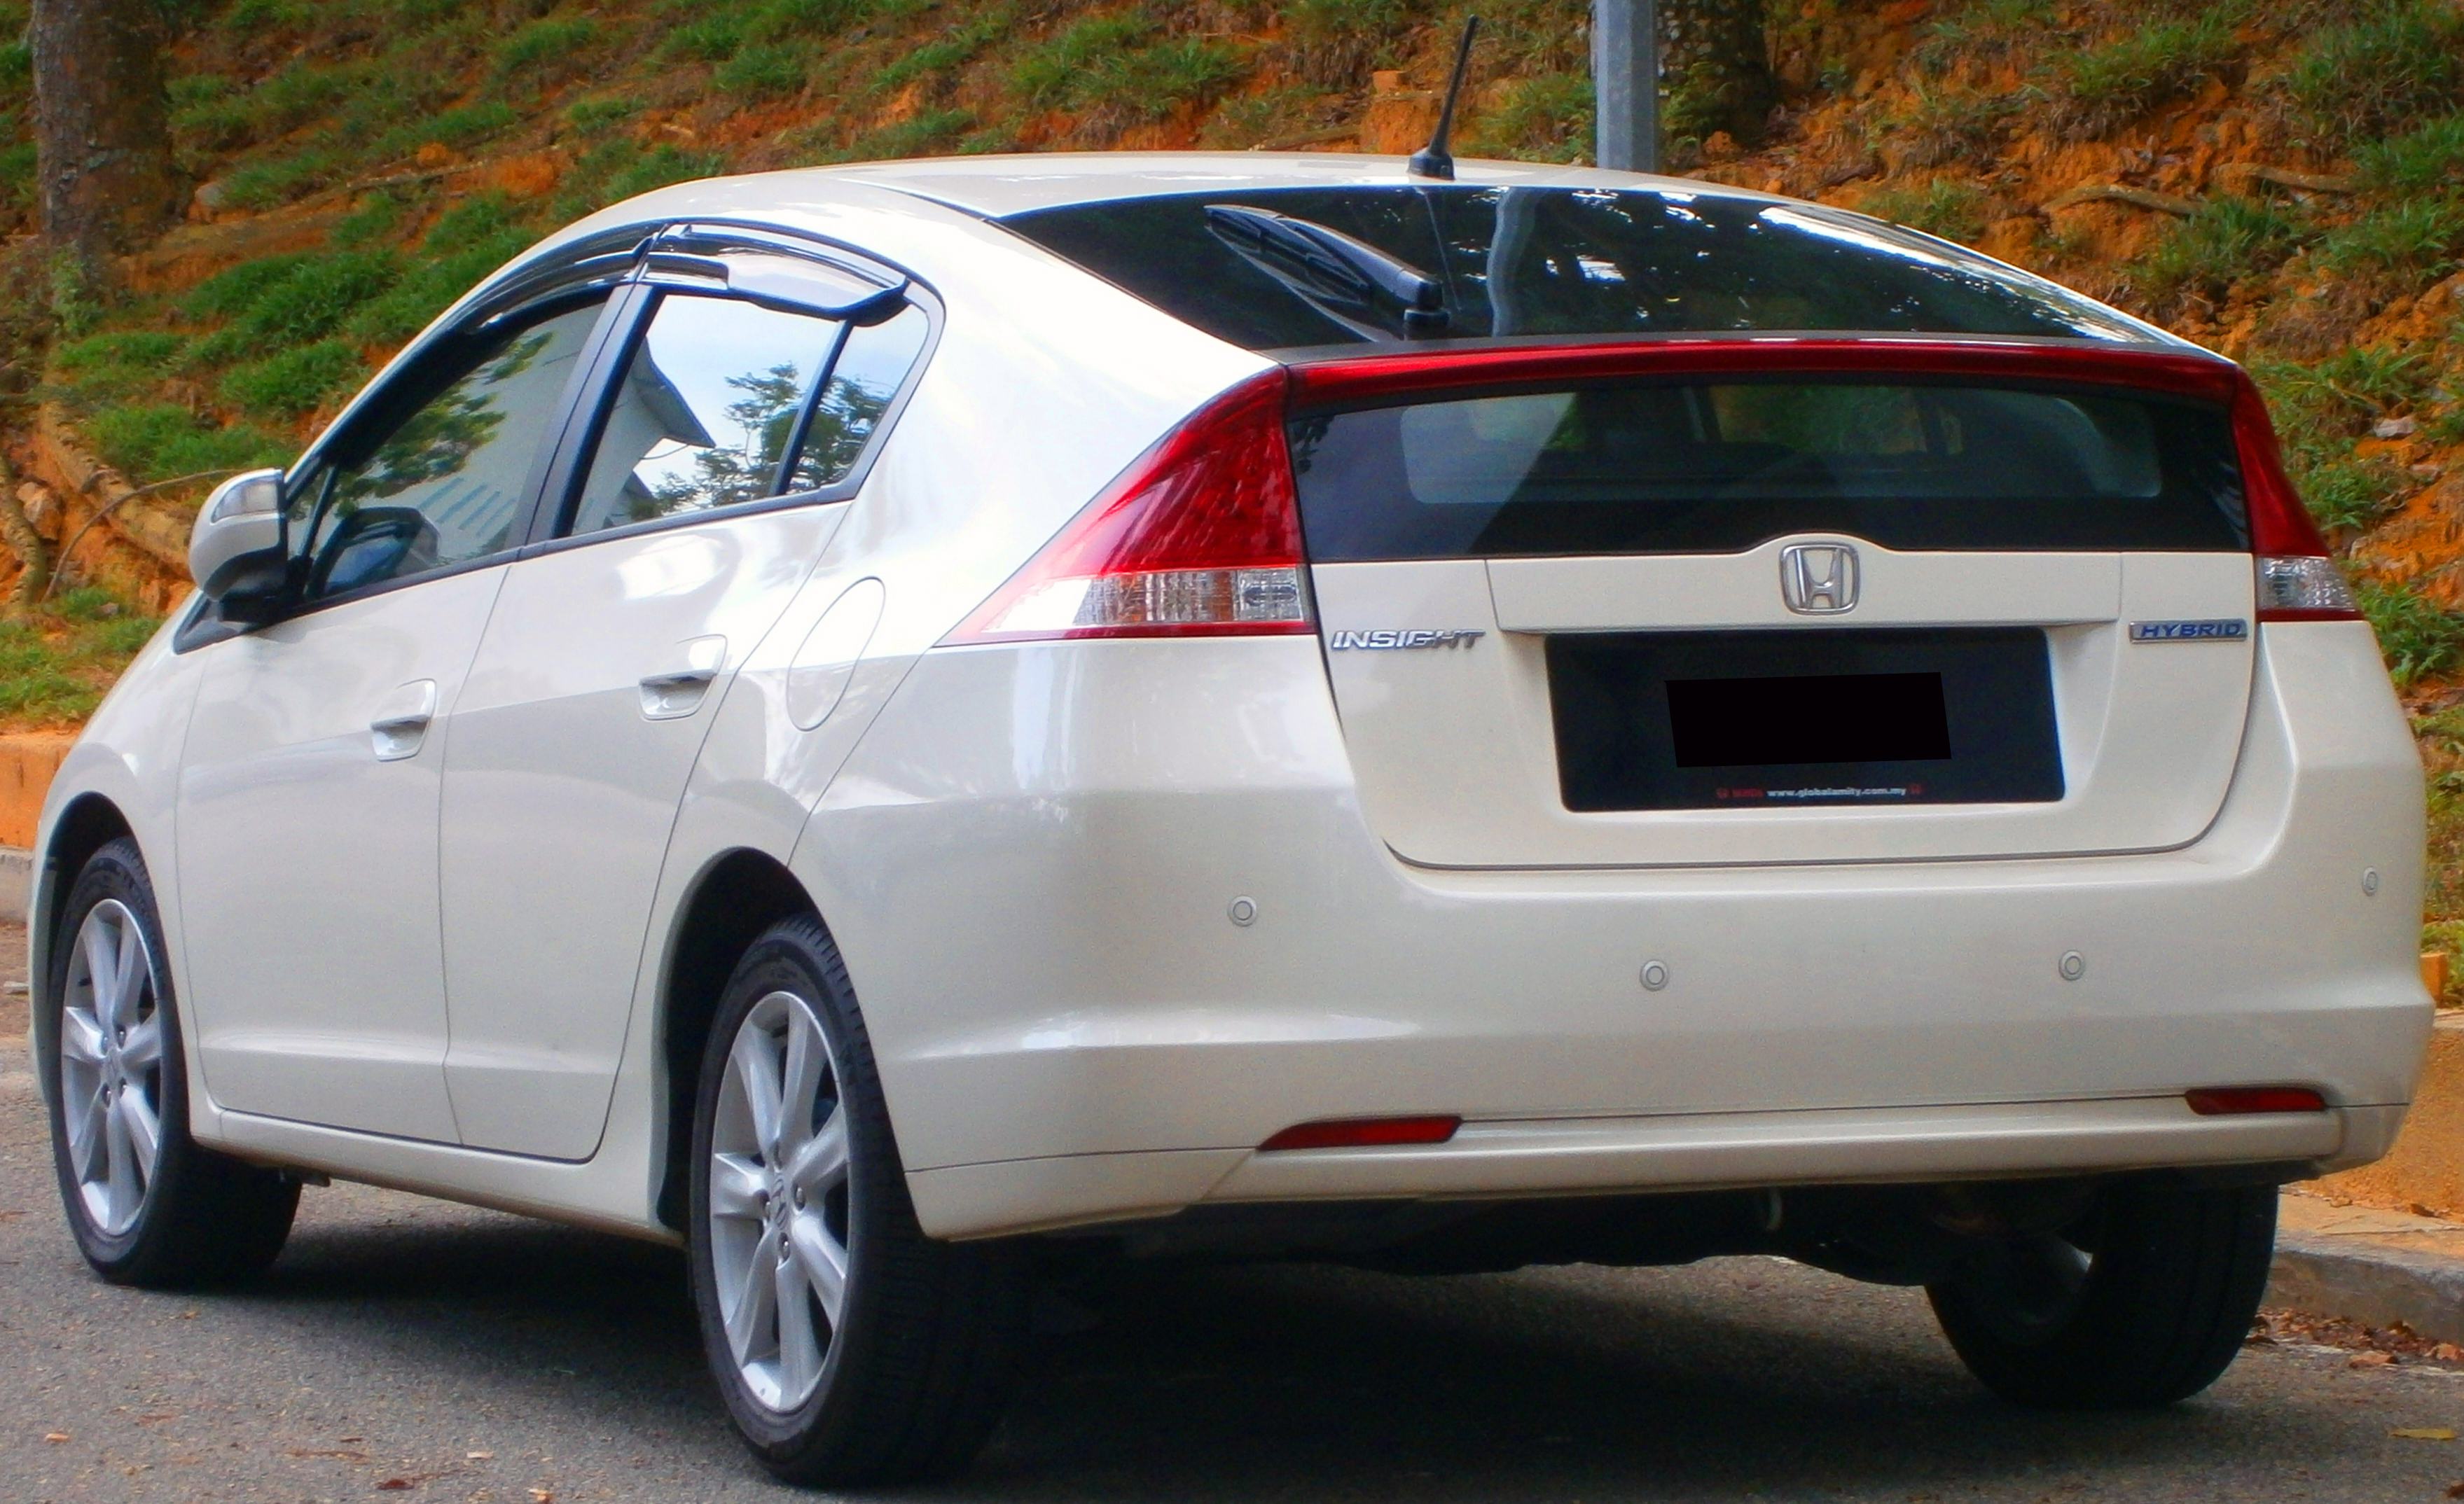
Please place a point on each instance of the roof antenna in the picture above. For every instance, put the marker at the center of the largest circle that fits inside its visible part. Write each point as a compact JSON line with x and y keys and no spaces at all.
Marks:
{"x":1434,"y":161}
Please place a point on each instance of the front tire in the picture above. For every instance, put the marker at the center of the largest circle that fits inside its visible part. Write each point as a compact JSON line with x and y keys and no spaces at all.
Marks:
{"x":147,"y":1204}
{"x":852,"y":1349}
{"x":2141,"y":1300}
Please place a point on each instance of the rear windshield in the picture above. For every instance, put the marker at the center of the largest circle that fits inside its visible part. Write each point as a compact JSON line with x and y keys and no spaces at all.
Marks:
{"x":1718,"y":467}
{"x":1529,"y":261}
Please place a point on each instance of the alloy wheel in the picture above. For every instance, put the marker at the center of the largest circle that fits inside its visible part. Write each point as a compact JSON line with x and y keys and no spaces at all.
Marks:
{"x":111,"y":1066}
{"x":779,"y":1229}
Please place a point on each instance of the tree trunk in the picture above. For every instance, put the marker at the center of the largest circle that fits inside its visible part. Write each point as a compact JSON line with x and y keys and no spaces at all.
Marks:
{"x":103,"y":133}
{"x":1717,"y":64}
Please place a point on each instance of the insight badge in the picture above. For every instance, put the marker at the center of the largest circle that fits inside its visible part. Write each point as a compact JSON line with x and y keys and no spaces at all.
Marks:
{"x":2226,"y":629}
{"x":1390,"y":639}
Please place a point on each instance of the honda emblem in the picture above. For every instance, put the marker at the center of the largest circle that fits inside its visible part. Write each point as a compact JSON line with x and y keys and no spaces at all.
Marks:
{"x":1819,"y":578}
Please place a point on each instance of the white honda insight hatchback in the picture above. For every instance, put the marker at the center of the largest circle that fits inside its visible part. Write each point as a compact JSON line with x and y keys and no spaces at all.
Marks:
{"x":915,"y":726}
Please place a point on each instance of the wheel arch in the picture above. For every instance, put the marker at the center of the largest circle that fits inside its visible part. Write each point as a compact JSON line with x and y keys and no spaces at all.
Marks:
{"x":85,"y":825}
{"x":736,"y":897}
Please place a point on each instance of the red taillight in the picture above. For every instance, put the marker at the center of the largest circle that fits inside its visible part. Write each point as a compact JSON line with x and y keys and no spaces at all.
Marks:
{"x":2298,"y":581}
{"x":2217,"y":1102}
{"x":1201,"y":536}
{"x":1353,"y":1133}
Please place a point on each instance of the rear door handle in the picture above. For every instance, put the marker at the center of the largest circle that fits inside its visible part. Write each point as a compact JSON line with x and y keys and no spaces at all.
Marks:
{"x":675,"y":693}
{"x":401,"y":723}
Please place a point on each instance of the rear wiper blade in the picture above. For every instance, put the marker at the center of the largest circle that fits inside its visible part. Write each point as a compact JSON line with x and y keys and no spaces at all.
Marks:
{"x":1347,"y":279}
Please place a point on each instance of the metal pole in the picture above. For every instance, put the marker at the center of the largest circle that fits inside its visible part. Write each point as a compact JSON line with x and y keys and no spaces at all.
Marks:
{"x":1625,"y":83}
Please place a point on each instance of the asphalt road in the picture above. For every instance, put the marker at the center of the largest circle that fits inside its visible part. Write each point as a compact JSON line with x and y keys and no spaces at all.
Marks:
{"x":406,"y":1348}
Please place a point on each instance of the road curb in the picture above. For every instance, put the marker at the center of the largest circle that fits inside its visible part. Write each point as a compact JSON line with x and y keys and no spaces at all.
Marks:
{"x":2369,"y":1283}
{"x":16,"y":882}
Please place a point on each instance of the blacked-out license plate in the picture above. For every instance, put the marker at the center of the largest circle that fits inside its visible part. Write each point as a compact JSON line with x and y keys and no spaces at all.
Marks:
{"x":1695,"y":720}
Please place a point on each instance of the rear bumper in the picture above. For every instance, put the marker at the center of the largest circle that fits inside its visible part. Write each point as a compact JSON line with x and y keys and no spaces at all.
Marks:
{"x":1071,"y":1028}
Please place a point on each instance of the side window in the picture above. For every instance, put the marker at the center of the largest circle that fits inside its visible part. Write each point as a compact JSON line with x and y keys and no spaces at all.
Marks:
{"x":867,"y":375}
{"x":707,"y":409}
{"x":447,"y":483}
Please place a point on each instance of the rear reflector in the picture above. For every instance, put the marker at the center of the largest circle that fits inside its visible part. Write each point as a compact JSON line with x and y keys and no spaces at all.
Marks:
{"x":2217,"y":1102}
{"x":1351,"y":1133}
{"x":1201,"y":536}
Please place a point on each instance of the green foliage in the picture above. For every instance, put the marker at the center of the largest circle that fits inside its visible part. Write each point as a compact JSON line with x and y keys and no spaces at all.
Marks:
{"x":1543,"y":118}
{"x":296,"y":382}
{"x":2349,"y":496}
{"x":804,"y":20}
{"x":2102,"y":87}
{"x":766,"y":69}
{"x":2227,"y":241}
{"x":1954,"y":125}
{"x":466,"y":243}
{"x":1334,"y":42}
{"x":712,"y":38}
{"x":2371,"y":77}
{"x":548,"y":45}
{"x":931,"y":131}
{"x":18,"y":174}
{"x":594,"y":115}
{"x":370,"y":222}
{"x":117,"y":365}
{"x":271,"y":181}
{"x":308,"y":304}
{"x":459,"y":127}
{"x":618,"y":169}
{"x":2419,"y":637}
{"x":235,"y":290}
{"x":955,"y":50}
{"x":2425,"y":161}
{"x":1953,"y":210}
{"x":1113,"y":63}
{"x":54,"y":666}
{"x":2419,"y":238}
{"x":156,"y":441}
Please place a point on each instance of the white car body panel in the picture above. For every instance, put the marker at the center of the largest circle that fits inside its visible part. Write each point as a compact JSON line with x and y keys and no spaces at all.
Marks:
{"x":1457,"y":754}
{"x":1027,"y":853}
{"x":281,"y":782}
{"x":561,"y":783}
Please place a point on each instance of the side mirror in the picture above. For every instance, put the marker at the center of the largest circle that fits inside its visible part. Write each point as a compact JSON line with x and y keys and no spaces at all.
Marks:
{"x":236,"y":553}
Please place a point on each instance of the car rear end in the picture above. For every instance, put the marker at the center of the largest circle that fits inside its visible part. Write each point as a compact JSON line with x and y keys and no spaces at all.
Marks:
{"x":1760,"y":700}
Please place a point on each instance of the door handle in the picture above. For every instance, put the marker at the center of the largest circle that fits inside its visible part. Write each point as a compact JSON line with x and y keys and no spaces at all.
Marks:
{"x":400,"y":722}
{"x":674,"y":693}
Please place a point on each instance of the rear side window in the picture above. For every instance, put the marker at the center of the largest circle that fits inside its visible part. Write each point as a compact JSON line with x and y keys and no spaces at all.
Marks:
{"x":705,"y":412}
{"x":725,"y":402}
{"x":1718,"y":467}
{"x":1527,"y":261}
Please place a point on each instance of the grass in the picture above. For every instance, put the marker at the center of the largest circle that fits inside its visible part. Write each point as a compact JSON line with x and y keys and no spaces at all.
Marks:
{"x":2428,"y":160}
{"x":2377,"y":74}
{"x":2227,"y":241}
{"x":764,"y":71}
{"x":156,"y":441}
{"x":2419,"y":638}
{"x":2416,"y":240}
{"x":2349,"y":496}
{"x":1952,"y":211}
{"x":297,"y":381}
{"x":55,"y":664}
{"x":1543,"y":118}
{"x":1114,"y":63}
{"x":549,"y":45}
{"x":1951,"y":125}
{"x":2100,"y":89}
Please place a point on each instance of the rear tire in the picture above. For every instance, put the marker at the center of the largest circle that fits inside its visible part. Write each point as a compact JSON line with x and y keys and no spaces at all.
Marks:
{"x":2143,"y":1300}
{"x":852,"y":1349}
{"x":147,"y":1204}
